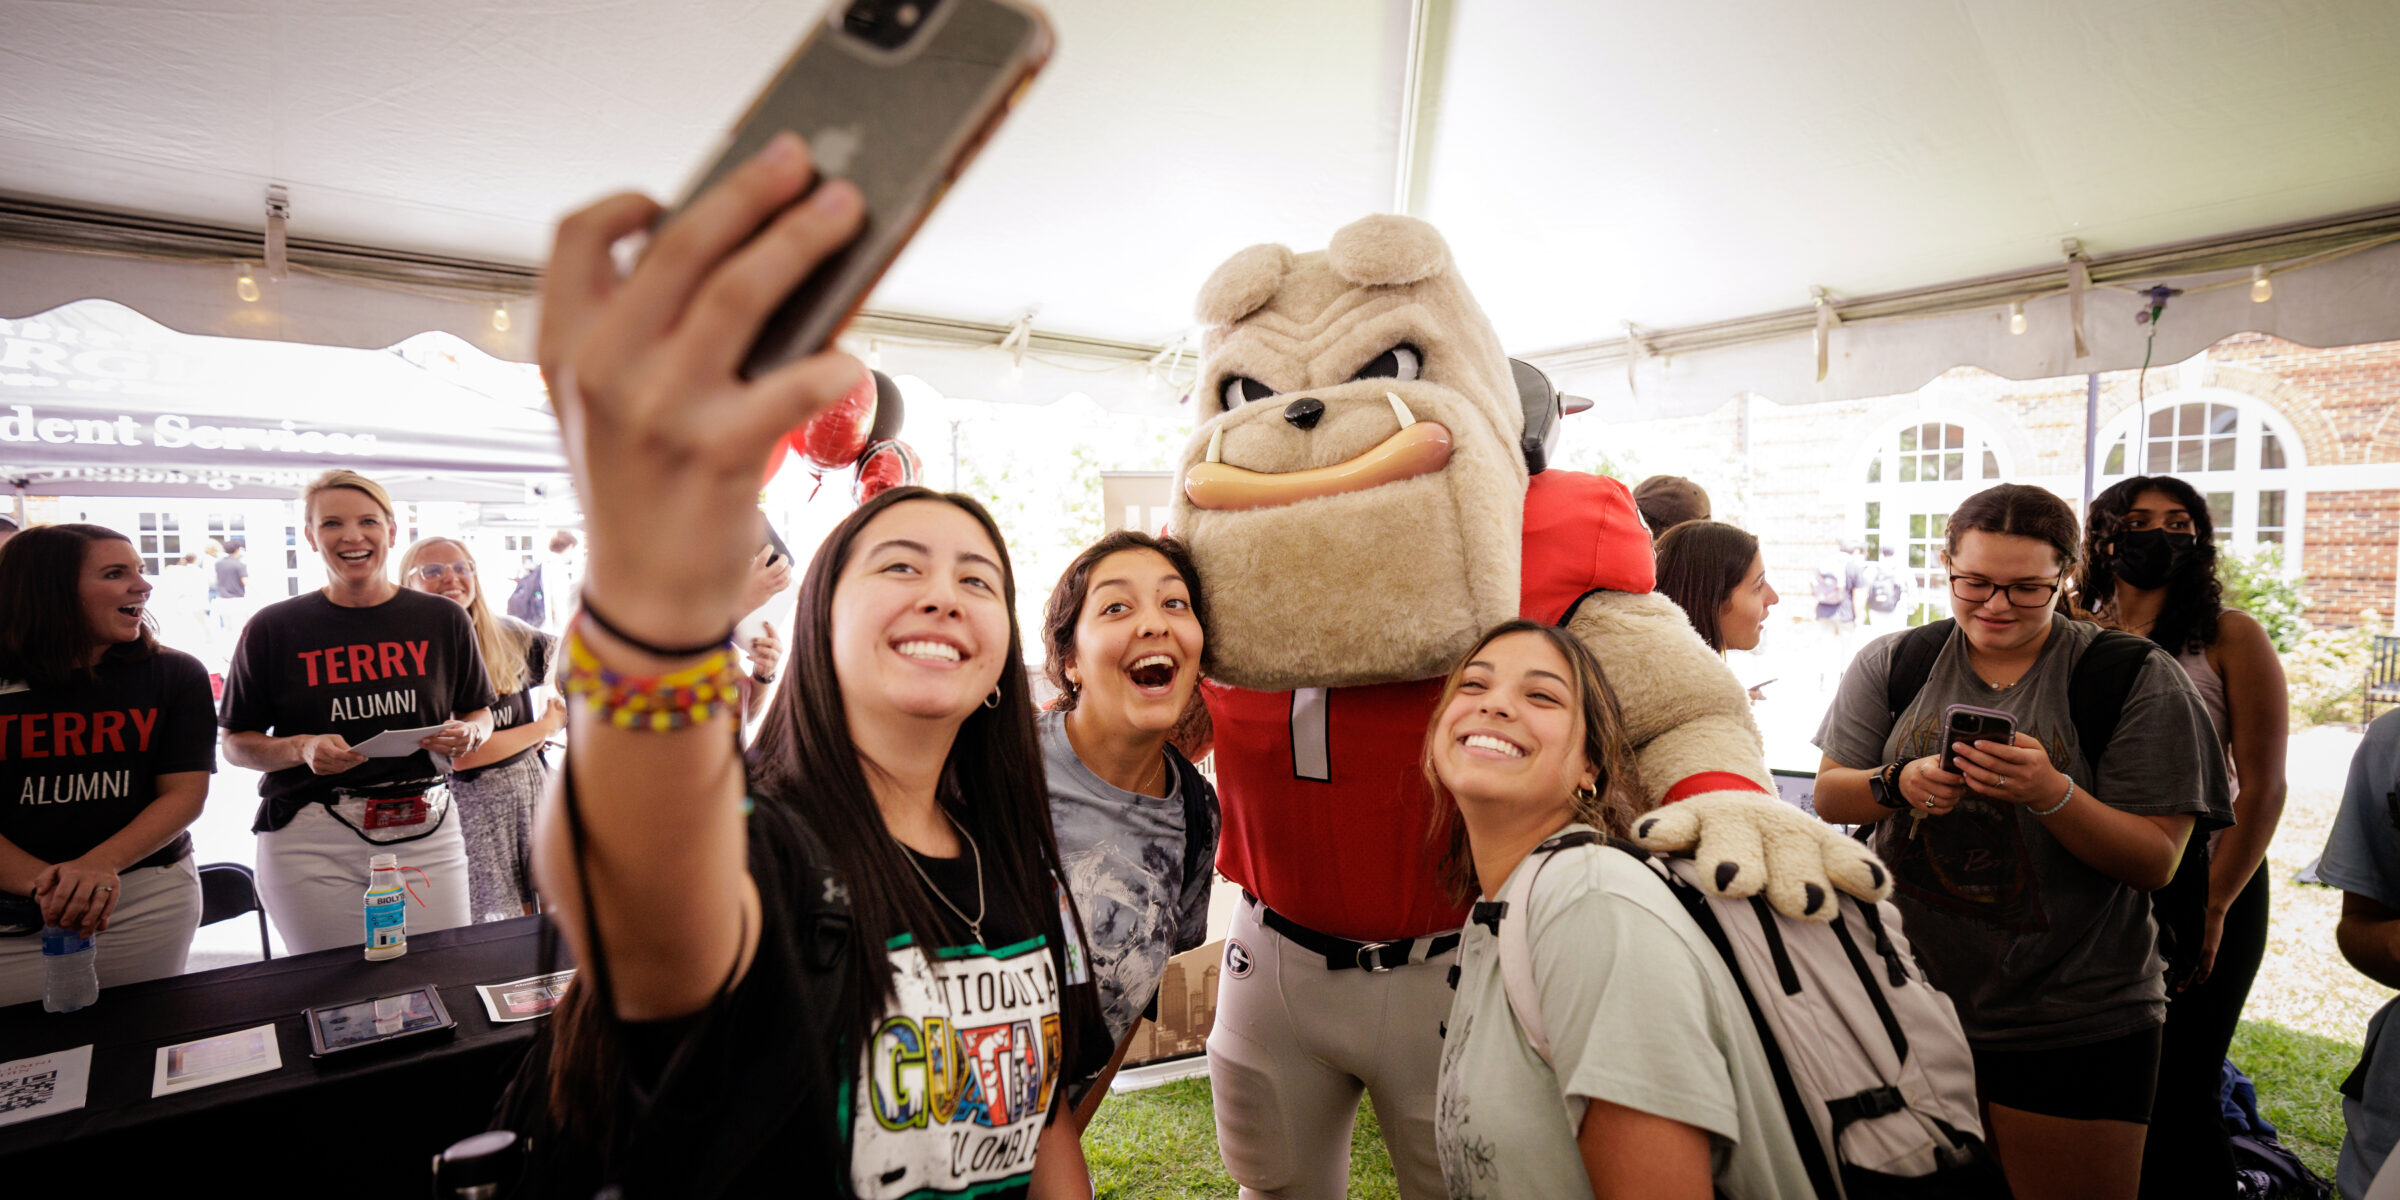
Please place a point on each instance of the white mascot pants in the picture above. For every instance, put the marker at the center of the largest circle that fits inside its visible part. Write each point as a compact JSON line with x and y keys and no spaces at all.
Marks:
{"x":1293,"y":1046}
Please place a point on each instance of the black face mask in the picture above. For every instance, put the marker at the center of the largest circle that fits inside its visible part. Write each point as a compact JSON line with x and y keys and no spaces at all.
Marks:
{"x":2148,"y":558}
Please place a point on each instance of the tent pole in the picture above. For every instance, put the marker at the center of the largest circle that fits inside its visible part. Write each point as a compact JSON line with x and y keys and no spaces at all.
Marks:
{"x":2091,"y":430}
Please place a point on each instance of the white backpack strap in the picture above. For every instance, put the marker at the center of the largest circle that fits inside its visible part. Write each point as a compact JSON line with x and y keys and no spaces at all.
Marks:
{"x":1516,"y":942}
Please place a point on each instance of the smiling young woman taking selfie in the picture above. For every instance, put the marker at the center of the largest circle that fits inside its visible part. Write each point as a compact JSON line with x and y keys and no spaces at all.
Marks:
{"x":2024,"y":873}
{"x":689,"y":1057}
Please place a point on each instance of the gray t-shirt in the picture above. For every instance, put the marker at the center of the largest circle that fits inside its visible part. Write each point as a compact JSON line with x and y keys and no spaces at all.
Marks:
{"x":1641,"y":1012}
{"x":2362,"y":855}
{"x":2038,"y":949}
{"x":1124,"y":855}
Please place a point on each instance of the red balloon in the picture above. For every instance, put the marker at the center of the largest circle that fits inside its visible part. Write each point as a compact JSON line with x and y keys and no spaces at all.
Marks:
{"x":837,"y":436}
{"x":886,"y":464}
{"x":789,"y":444}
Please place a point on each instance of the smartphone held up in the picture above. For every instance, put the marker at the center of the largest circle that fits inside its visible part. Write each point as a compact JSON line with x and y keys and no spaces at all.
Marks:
{"x":896,"y":96}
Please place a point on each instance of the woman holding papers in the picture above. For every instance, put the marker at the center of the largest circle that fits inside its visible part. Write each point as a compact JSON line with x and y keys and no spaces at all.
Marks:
{"x":105,"y":750}
{"x":315,"y":679}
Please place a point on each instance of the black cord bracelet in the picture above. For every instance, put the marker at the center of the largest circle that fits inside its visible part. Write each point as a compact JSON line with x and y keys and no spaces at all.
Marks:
{"x":653,"y":649}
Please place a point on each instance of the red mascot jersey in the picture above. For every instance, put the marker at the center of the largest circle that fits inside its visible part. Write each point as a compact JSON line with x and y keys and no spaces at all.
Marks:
{"x":1326,"y":809}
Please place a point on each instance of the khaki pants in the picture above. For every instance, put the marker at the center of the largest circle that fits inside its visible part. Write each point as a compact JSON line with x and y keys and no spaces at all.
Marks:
{"x":149,"y":935}
{"x":312,"y":877}
{"x":1293,"y":1046}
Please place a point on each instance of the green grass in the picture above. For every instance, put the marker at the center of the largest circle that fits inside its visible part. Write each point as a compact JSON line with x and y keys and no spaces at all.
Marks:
{"x":2299,"y":1078}
{"x":1162,"y":1143}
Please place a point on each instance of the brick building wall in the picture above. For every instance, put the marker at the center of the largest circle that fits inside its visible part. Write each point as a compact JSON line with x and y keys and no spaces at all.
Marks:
{"x":1798,"y":475}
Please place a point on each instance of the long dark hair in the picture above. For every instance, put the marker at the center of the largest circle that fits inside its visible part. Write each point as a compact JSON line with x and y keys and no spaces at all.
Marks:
{"x":1616,"y":791}
{"x":44,"y":638}
{"x":1699,"y":565}
{"x":992,"y":785}
{"x":1065,"y":609}
{"x":2195,"y":595}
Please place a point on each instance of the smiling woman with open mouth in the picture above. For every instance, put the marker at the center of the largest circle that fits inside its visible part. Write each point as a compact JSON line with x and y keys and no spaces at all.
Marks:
{"x":1136,"y":822}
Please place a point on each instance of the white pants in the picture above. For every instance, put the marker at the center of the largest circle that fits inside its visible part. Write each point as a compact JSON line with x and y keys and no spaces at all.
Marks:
{"x":149,"y":935}
{"x":1293,"y":1046}
{"x":312,"y":876}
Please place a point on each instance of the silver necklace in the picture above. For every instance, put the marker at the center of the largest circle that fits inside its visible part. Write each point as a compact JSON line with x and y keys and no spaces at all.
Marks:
{"x":974,"y":923}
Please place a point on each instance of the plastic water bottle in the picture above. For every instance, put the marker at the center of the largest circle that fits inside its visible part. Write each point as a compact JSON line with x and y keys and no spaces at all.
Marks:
{"x":387,"y":908}
{"x":70,"y":970}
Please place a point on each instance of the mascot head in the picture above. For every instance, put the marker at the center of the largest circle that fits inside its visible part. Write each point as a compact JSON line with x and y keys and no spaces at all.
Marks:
{"x":1355,"y":492}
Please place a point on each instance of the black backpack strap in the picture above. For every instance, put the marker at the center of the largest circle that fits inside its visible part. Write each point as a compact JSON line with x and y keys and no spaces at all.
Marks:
{"x":2096,"y":693}
{"x":1912,"y":664}
{"x":1201,"y":820}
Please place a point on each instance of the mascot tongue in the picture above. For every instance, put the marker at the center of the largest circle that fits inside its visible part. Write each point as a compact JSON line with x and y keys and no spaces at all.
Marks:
{"x":1419,"y":449}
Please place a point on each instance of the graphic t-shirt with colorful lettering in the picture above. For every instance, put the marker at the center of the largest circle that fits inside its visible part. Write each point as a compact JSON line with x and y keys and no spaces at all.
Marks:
{"x":78,"y":763}
{"x":954,"y":1089}
{"x":308,"y":665}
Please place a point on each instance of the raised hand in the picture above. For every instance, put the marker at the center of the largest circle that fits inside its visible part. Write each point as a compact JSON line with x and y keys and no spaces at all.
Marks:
{"x":665,"y":437}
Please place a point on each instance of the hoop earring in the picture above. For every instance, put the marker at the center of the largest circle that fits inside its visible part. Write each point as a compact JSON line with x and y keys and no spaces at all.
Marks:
{"x":1586,"y":794}
{"x":993,"y":700}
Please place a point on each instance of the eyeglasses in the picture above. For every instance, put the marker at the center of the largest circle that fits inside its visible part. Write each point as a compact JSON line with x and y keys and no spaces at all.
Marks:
{"x":436,"y":572}
{"x":2020,"y":595}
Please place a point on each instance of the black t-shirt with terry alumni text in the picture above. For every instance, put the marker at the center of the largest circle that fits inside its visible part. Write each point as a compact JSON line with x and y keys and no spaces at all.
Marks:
{"x":308,"y":665}
{"x":79,"y":763}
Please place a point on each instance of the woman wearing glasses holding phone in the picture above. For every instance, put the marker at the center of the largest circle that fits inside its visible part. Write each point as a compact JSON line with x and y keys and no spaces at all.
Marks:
{"x":2024,"y":874}
{"x":498,"y":784}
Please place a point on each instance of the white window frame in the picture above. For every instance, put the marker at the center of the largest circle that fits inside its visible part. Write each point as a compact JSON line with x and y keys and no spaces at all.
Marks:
{"x":1900,"y":500}
{"x":2254,"y":417}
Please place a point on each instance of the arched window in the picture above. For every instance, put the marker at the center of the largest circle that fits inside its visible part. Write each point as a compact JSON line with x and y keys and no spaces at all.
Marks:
{"x":2239,"y":453}
{"x":1915,"y":474}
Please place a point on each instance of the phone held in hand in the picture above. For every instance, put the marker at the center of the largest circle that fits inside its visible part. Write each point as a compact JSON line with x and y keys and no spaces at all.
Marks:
{"x":1969,"y":724}
{"x":896,"y":96}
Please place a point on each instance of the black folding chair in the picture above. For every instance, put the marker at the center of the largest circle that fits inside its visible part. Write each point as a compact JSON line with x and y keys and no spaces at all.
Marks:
{"x":227,"y":890}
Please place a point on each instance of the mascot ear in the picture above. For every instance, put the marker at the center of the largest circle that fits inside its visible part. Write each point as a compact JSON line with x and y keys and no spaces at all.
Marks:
{"x":1246,"y":281}
{"x":1387,"y":249}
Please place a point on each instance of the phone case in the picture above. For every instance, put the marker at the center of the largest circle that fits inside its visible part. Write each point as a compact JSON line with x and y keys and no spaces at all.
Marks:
{"x":900,"y":123}
{"x":1982,"y":730}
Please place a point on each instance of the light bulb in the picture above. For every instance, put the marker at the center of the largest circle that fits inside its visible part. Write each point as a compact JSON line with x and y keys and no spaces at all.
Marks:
{"x":2016,"y":317}
{"x":500,"y":318}
{"x":2262,"y":289}
{"x":874,"y":356}
{"x":246,"y":287}
{"x":1016,"y":371}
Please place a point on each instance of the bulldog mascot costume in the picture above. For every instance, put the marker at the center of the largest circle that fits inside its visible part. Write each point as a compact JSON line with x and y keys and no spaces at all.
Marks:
{"x":1359,"y":499}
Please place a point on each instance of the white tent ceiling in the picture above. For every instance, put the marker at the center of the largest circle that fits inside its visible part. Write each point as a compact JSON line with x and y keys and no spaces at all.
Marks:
{"x":1592,"y":163}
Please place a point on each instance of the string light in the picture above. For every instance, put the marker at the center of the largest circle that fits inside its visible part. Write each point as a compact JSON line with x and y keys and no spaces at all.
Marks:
{"x":2016,"y":317}
{"x":500,"y":318}
{"x":874,"y":356}
{"x":246,"y":287}
{"x":2262,"y":289}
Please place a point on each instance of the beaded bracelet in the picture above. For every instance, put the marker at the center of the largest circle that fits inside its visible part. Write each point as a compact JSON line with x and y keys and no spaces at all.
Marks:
{"x":653,"y":703}
{"x":2062,"y":802}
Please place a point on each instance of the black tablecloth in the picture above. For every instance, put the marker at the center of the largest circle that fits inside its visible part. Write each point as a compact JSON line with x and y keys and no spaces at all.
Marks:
{"x":362,"y":1123}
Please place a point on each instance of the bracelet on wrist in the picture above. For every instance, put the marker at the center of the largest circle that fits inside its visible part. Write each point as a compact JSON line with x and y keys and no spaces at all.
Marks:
{"x":2062,"y":801}
{"x":653,"y":649}
{"x":694,"y":695}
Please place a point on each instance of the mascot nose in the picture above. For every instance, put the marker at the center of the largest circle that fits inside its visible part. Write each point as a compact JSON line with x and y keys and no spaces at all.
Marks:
{"x":1304,"y":413}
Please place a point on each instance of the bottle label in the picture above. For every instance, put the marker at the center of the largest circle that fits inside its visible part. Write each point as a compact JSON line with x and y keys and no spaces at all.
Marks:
{"x":62,"y":942}
{"x":387,"y":920}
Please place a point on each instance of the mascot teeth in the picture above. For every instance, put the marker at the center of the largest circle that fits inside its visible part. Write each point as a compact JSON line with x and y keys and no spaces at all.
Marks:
{"x":1216,"y":445}
{"x":1399,"y":409}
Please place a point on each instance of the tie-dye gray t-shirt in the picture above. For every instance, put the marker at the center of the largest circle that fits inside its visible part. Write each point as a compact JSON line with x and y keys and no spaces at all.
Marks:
{"x":1124,"y":855}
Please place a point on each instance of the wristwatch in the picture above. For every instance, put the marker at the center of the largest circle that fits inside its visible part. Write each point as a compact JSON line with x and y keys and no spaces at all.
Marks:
{"x":1884,"y":785}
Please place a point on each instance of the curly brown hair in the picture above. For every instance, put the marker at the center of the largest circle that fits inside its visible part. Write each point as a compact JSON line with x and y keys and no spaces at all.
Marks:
{"x":1065,"y":607}
{"x":1616,"y":796}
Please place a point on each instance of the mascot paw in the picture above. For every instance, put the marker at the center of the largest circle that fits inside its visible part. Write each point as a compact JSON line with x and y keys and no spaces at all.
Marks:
{"x":1747,"y":843}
